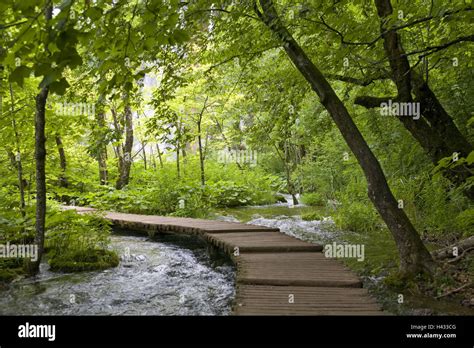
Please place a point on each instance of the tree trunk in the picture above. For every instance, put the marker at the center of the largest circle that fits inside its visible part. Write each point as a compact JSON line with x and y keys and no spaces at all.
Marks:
{"x":102,"y":150}
{"x":63,"y":182}
{"x":177,"y":161}
{"x":436,"y":131}
{"x":414,"y":257}
{"x":17,"y":158}
{"x":125,"y":161}
{"x":159,"y":156}
{"x":144,"y":157}
{"x":201,"y":154}
{"x":152,"y":156}
{"x":289,"y":182}
{"x":40,"y":155}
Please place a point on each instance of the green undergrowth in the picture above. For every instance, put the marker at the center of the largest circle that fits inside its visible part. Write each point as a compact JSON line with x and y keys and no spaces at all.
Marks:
{"x":161,"y":192}
{"x":78,"y":242}
{"x":73,"y":242}
{"x":380,"y":273}
{"x":10,"y":268}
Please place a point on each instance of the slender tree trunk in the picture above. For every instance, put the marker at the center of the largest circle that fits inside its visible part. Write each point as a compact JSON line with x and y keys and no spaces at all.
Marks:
{"x":125,"y":161}
{"x":153,"y":159}
{"x":144,"y":156}
{"x":414,"y":257}
{"x":17,"y":157}
{"x":102,"y":150}
{"x":177,"y":161}
{"x":286,"y":162}
{"x":159,"y":155}
{"x":63,"y":182}
{"x":201,"y":154}
{"x":40,"y":156}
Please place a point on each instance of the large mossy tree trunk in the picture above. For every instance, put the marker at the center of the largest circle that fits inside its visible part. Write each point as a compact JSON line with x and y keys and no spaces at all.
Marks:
{"x":414,"y":257}
{"x":40,"y":157}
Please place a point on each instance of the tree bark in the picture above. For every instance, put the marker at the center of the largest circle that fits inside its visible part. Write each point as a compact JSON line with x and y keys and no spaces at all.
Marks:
{"x":102,"y":150}
{"x":414,"y":257}
{"x":159,"y":156}
{"x":63,"y":182}
{"x":144,"y":157}
{"x":178,"y":169}
{"x":152,"y":156}
{"x":436,"y":131}
{"x":125,"y":161}
{"x":201,"y":155}
{"x":40,"y":156}
{"x":18,"y":160}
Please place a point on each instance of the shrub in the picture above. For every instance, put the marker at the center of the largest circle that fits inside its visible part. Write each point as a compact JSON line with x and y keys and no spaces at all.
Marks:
{"x":77,"y":242}
{"x":313,"y":199}
{"x":357,"y":217}
{"x":465,"y":222}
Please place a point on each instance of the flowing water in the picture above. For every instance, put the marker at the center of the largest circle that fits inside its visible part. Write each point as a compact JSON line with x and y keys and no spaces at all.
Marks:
{"x":165,"y":276}
{"x":287,"y":218}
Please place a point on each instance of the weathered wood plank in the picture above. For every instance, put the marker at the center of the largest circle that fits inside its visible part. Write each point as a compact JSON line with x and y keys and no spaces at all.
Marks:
{"x":259,"y":242}
{"x":298,"y":269}
{"x":294,"y":300}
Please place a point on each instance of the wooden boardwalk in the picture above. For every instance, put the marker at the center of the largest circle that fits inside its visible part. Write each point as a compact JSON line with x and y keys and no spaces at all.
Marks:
{"x":276,"y":274}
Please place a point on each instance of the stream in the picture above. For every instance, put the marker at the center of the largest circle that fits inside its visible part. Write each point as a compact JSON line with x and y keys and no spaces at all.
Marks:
{"x":163,"y":275}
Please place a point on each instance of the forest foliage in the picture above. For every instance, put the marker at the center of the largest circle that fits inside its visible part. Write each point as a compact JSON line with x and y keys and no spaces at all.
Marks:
{"x":147,"y":99}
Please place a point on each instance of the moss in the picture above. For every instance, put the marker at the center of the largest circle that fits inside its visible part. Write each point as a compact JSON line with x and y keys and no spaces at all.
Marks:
{"x":7,"y":275}
{"x":89,"y":260}
{"x":10,"y":268}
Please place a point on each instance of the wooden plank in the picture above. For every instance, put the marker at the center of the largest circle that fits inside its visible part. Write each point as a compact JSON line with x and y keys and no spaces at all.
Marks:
{"x":259,"y":242}
{"x":298,"y":269}
{"x":275,"y":300}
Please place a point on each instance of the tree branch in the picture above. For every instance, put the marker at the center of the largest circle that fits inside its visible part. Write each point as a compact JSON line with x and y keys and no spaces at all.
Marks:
{"x":370,"y":102}
{"x":354,"y":80}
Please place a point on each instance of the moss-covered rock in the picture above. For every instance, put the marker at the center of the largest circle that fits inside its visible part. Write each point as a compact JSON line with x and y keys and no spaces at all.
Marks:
{"x":10,"y":268}
{"x":89,"y":260}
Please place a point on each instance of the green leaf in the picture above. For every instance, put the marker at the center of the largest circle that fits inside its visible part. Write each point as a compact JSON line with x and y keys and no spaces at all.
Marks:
{"x":59,"y":87}
{"x":93,"y":13}
{"x":19,"y":74}
{"x":470,"y":158}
